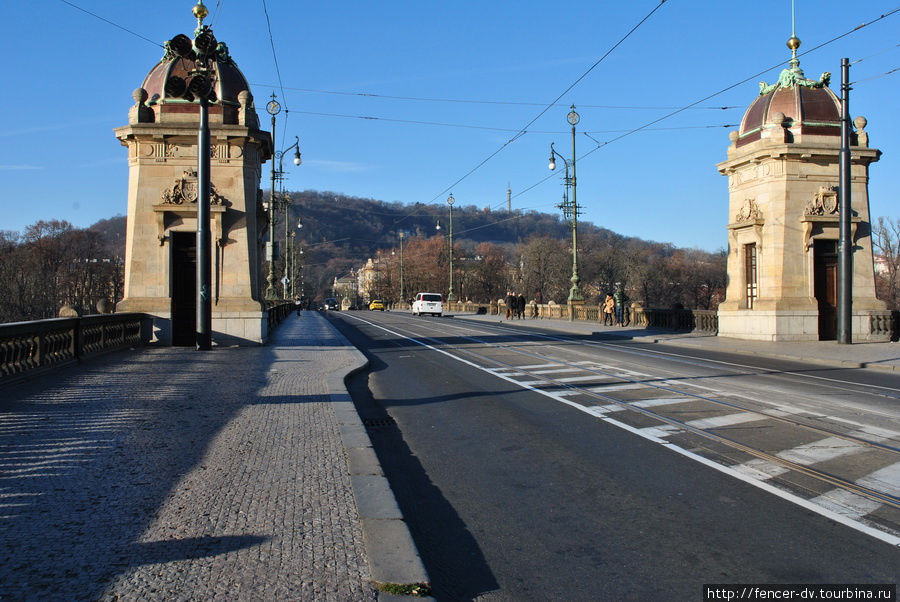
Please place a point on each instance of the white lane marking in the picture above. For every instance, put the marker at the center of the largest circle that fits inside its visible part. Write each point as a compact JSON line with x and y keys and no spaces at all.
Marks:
{"x":662,"y":401}
{"x":761,"y":469}
{"x":532,"y":367}
{"x":616,"y":387}
{"x":727,"y":420}
{"x":578,"y":379}
{"x":845,"y":520}
{"x":820,"y":451}
{"x":846,"y":503}
{"x":661,"y":431}
{"x":554,"y":370}
{"x":852,"y":505}
{"x":886,"y":480}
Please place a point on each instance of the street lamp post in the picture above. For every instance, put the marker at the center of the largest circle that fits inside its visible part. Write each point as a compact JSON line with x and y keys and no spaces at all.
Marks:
{"x":450,"y":201}
{"x":201,"y":87}
{"x":286,"y":204}
{"x":570,"y":209}
{"x":274,"y":108}
{"x":402,"y":297}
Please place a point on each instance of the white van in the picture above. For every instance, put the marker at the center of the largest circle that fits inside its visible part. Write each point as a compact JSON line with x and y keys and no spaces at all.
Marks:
{"x":428,"y":303}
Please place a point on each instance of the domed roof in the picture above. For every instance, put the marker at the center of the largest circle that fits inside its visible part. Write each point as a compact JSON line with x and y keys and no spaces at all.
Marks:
{"x":801,"y":105}
{"x":228,"y":81}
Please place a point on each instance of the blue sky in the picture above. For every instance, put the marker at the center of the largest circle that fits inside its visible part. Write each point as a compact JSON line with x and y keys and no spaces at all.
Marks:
{"x":69,"y":78}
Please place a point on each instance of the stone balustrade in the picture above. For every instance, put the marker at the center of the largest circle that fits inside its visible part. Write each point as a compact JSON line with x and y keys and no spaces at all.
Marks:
{"x":27,"y":347}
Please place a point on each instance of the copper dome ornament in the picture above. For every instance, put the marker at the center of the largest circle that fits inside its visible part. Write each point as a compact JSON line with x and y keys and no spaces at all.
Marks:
{"x":793,"y":102}
{"x":185,"y":60}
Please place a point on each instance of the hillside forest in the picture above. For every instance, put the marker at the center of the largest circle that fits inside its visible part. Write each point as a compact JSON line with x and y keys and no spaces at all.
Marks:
{"x":51,"y":263}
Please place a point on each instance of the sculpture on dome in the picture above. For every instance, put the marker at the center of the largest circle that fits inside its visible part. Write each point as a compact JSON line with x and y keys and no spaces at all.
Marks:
{"x":794,"y":76}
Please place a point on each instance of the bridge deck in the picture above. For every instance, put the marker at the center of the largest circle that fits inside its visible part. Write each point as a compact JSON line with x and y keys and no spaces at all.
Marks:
{"x":162,"y":471}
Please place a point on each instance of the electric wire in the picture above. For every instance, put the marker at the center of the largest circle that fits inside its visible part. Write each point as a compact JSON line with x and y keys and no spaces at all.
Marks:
{"x":727,"y":88}
{"x":479,"y":127}
{"x":277,"y":73}
{"x":868,"y":79}
{"x":486,"y":102}
{"x":555,"y":100}
{"x":116,"y":25}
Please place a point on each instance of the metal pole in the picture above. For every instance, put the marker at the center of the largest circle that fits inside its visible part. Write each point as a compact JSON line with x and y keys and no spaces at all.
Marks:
{"x":285,"y":253}
{"x":451,"y":296}
{"x":271,"y":295}
{"x":575,"y":292}
{"x":204,"y":260}
{"x":845,"y":257}
{"x":402,"y":298}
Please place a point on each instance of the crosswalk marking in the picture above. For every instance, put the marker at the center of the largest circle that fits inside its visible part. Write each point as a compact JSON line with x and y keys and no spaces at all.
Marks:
{"x":726,"y":420}
{"x":616,"y":387}
{"x":847,"y":503}
{"x":662,"y":401}
{"x":578,"y":379}
{"x":556,"y":370}
{"x":820,"y":451}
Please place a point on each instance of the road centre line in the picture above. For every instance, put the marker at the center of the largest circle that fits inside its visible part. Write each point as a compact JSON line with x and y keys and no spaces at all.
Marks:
{"x":790,"y":497}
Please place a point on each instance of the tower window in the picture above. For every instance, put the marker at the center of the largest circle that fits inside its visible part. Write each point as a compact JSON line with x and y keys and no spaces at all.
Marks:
{"x":750,"y":274}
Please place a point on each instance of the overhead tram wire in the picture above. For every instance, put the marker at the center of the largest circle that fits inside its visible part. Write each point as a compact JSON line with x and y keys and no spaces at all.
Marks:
{"x":278,"y":74}
{"x":723,"y":90}
{"x":555,"y":100}
{"x":116,"y":25}
{"x":874,"y":77}
{"x":479,"y":127}
{"x":485,"y":102}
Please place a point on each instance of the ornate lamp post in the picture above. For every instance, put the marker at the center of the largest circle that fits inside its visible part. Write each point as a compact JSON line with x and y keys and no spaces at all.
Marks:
{"x":570,"y":209}
{"x":402,"y":297}
{"x":450,"y":201}
{"x":286,"y":204}
{"x":200,"y":87}
{"x":274,"y":108}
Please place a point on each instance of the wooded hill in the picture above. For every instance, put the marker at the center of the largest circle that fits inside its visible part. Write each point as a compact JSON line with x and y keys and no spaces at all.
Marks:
{"x":340,"y":233}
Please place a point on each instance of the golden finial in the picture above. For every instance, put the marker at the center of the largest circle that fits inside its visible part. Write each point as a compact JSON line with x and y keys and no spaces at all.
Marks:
{"x":793,"y":43}
{"x":200,"y":12}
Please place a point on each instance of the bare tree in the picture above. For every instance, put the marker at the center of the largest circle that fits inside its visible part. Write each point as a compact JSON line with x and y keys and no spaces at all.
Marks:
{"x":886,"y":244}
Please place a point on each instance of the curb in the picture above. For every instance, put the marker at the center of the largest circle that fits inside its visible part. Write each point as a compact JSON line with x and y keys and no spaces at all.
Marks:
{"x":657,"y":338}
{"x":393,"y":556}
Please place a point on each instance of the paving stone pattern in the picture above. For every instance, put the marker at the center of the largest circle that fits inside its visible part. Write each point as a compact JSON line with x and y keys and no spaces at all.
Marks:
{"x":168,"y":473}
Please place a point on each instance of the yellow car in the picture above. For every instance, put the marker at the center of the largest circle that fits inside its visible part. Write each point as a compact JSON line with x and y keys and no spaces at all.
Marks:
{"x":377,"y":304}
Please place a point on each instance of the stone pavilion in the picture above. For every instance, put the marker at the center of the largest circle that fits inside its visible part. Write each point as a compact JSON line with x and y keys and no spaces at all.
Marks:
{"x":160,"y":257}
{"x":783,"y":177}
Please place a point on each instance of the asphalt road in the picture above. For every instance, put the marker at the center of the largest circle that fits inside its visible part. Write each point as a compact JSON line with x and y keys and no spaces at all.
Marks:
{"x":512,"y":495}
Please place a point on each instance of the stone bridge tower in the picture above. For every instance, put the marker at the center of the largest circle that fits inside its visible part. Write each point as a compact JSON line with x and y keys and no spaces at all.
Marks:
{"x":783,"y":179}
{"x":160,"y":257}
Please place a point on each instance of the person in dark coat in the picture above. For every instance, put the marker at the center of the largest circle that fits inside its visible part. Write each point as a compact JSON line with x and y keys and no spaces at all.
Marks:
{"x":510,"y":305}
{"x":620,"y":299}
{"x":520,"y":306}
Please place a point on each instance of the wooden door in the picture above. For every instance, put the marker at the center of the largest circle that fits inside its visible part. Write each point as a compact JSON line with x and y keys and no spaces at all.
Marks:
{"x":184,"y":288}
{"x":825,"y":286}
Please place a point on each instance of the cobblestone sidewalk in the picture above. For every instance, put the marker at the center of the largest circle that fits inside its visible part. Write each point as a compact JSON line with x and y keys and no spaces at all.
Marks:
{"x":174,"y":474}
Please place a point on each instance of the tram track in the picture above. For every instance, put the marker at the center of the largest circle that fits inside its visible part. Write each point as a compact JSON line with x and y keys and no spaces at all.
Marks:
{"x":435,"y":335}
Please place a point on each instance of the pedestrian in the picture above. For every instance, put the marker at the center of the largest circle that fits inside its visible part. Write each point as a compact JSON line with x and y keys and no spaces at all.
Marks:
{"x":510,"y":305}
{"x":609,"y":306}
{"x":620,"y":299}
{"x":298,"y":304}
{"x":520,"y":306}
